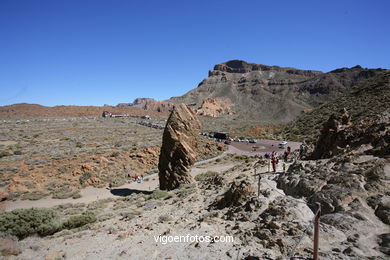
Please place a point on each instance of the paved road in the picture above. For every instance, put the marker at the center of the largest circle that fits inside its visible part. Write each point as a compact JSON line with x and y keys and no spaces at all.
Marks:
{"x":261,"y":147}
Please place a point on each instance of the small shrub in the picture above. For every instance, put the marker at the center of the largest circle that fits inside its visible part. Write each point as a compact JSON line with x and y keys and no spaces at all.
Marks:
{"x":186,"y":190}
{"x":206,"y":175}
{"x":83,"y":178}
{"x":4,"y":154}
{"x":64,"y":193}
{"x":18,"y":152}
{"x":76,"y":195}
{"x":164,"y":218}
{"x":80,"y":220}
{"x":25,"y":222}
{"x":158,"y":194}
{"x":115,"y":154}
{"x":128,"y":215}
{"x":35,"y":195}
{"x":79,"y":145}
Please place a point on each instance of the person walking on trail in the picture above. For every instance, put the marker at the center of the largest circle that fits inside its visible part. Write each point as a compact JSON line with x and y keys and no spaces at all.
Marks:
{"x":274,"y":160}
{"x":302,"y":149}
{"x":284,"y":167}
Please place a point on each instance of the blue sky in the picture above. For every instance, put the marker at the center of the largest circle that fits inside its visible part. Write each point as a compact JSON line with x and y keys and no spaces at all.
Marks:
{"x":95,"y":52}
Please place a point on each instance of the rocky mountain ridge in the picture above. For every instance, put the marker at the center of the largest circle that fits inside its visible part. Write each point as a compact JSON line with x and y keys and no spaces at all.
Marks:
{"x":368,"y":100}
{"x":272,"y":94}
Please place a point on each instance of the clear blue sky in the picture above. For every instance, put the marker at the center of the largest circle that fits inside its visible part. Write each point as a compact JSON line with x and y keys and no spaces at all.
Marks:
{"x":92,"y":52}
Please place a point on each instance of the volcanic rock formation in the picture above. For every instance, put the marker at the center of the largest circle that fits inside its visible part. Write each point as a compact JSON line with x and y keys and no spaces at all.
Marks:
{"x":333,"y":135}
{"x":215,"y":107}
{"x":273,"y":94}
{"x":178,"y":150}
{"x":351,"y":181}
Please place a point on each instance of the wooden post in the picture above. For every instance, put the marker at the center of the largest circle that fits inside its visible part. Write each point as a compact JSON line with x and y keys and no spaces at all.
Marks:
{"x":269,"y":165}
{"x":258,"y":186}
{"x":316,"y":231}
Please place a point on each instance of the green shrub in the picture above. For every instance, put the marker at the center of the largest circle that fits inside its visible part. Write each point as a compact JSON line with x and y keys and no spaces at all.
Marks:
{"x":186,"y":190}
{"x":25,"y":222}
{"x":4,"y":154}
{"x":34,"y":195}
{"x":206,"y":175}
{"x":158,"y":194}
{"x":64,"y":193}
{"x":80,"y":220}
{"x":164,"y":218}
{"x":115,"y":154}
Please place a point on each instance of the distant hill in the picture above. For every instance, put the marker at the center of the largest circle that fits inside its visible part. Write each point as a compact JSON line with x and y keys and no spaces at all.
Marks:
{"x":272,"y":94}
{"x":34,"y":110}
{"x":369,"y":99}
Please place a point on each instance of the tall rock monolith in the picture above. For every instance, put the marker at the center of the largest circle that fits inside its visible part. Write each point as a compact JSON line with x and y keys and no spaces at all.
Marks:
{"x":178,"y":150}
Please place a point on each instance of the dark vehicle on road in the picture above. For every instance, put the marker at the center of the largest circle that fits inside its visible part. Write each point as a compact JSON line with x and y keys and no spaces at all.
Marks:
{"x":221,"y":135}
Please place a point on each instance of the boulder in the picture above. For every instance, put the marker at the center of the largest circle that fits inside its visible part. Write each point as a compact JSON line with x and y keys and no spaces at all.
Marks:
{"x":333,"y":138}
{"x":237,"y":195}
{"x":339,"y":136}
{"x":178,"y":150}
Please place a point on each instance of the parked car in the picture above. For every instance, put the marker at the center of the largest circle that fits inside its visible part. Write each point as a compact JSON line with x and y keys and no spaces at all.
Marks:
{"x":253,"y":141}
{"x":283,"y":144}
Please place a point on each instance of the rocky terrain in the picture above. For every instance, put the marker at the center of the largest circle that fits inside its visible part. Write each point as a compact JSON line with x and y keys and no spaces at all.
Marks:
{"x":56,"y":157}
{"x":91,"y":162}
{"x":349,"y":174}
{"x":369,"y":99}
{"x":215,"y":107}
{"x":149,"y":104}
{"x":272,"y":94}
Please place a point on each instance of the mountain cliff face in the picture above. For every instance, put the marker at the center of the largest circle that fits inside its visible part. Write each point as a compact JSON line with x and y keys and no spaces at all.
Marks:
{"x":272,"y":94}
{"x":368,"y":100}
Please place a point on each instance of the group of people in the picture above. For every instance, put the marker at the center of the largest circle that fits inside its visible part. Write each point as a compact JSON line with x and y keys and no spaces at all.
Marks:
{"x":274,"y":157}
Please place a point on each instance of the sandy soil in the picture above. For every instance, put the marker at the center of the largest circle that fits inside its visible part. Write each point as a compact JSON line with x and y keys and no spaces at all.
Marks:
{"x":90,"y":194}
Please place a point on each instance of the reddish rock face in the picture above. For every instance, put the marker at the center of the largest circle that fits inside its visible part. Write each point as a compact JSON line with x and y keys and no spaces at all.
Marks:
{"x":215,"y":107}
{"x":178,"y":150}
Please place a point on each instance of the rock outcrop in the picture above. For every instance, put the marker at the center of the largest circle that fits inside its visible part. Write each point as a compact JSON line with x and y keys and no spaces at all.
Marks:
{"x":149,"y":104}
{"x":138,"y":102}
{"x":237,"y":194}
{"x":178,"y":150}
{"x":339,"y":136}
{"x":333,"y":138}
{"x":215,"y":107}
{"x":349,"y":174}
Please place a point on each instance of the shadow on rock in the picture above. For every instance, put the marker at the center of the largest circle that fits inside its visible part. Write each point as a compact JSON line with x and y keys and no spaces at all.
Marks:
{"x":126,"y":192}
